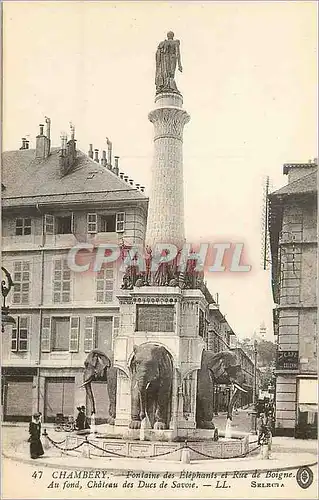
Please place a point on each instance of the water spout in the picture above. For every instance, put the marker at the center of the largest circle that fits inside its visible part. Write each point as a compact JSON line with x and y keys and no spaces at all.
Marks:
{"x":228,"y":429}
{"x":145,"y":424}
{"x":92,"y":424}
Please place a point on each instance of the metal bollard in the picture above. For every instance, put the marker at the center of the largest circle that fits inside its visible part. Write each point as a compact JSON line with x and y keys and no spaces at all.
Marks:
{"x":46,"y":442}
{"x":86,"y":448}
{"x":185,"y":455}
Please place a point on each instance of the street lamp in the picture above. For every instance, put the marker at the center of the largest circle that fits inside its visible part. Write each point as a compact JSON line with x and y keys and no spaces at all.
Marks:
{"x":6,"y":285}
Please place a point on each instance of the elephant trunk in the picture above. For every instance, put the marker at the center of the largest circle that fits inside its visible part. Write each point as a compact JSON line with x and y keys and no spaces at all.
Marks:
{"x":90,"y":396}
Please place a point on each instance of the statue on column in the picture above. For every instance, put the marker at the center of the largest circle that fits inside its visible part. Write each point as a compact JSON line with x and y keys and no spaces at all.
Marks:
{"x":167,"y":57}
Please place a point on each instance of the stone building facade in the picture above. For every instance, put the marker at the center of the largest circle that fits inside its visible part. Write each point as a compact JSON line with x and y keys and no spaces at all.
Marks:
{"x":54,"y":199}
{"x":293,"y":238}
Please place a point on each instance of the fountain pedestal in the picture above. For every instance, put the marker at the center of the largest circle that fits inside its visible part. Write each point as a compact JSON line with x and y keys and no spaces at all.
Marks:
{"x":183,"y":342}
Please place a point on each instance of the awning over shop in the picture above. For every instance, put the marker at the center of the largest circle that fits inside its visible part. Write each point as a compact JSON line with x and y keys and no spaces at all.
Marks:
{"x":308,"y":391}
{"x":309,"y":408}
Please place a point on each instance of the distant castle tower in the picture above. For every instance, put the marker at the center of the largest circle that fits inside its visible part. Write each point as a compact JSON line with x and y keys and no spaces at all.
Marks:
{"x":263,"y":330}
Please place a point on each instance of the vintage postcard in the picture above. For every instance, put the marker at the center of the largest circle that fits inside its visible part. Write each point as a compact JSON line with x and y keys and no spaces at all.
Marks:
{"x":159,"y":250}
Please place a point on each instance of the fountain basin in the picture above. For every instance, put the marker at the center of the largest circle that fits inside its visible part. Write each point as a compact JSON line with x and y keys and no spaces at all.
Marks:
{"x":162,"y":445}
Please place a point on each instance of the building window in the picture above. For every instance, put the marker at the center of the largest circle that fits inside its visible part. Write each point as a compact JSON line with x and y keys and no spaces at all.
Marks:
{"x":108,"y":223}
{"x":21,"y":280}
{"x":154,"y":318}
{"x":60,"y":334}
{"x":105,"y":223}
{"x":120,"y":221}
{"x":20,"y":333}
{"x":64,"y":225}
{"x":58,"y":225}
{"x":92,"y":223}
{"x":105,"y":285}
{"x":61,"y":281}
{"x":23,"y":227}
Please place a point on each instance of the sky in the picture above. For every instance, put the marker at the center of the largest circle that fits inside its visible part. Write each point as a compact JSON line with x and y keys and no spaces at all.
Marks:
{"x":249,"y":83}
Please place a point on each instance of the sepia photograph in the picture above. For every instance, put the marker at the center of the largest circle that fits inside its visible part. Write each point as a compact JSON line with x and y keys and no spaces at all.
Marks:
{"x":159,"y":228}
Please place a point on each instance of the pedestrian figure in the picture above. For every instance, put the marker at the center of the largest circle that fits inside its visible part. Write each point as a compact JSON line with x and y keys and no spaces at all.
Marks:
{"x":81,"y":420}
{"x":36,"y":449}
{"x":261,"y":427}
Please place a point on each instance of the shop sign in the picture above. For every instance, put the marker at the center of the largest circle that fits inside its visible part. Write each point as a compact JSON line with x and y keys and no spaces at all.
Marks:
{"x":287,"y":360}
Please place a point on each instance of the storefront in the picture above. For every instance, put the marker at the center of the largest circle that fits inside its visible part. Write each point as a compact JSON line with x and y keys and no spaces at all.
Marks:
{"x":307,"y":408}
{"x":17,"y":394}
{"x":59,"y":397}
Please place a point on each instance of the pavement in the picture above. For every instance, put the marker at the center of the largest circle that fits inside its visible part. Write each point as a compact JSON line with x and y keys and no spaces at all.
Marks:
{"x":286,"y":452}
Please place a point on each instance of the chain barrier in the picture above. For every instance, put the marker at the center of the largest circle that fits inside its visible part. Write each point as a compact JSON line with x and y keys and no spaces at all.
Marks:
{"x":55,"y":442}
{"x":65,"y":449}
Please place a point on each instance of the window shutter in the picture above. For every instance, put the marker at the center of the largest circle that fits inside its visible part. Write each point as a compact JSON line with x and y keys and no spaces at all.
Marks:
{"x":91,"y":223}
{"x":48,"y":224}
{"x":120,"y":221}
{"x":46,"y":334}
{"x":89,"y":334}
{"x":72,"y":223}
{"x":14,"y":337}
{"x":74,"y":333}
{"x":24,"y":328}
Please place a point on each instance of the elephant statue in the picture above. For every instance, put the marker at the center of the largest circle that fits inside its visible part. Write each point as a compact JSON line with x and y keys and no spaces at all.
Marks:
{"x":97,"y":366}
{"x":216,"y":368}
{"x":151,"y":388}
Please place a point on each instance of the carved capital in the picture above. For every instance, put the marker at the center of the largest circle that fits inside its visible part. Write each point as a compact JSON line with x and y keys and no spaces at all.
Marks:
{"x":169,"y":122}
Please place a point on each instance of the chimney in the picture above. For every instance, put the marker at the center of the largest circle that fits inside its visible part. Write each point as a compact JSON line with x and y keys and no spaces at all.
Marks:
{"x":90,"y":151}
{"x":126,"y":178}
{"x":63,"y":156}
{"x":116,"y":165}
{"x":121,"y":175}
{"x":72,"y":129}
{"x":142,"y":188}
{"x":131,"y":182}
{"x":48,"y":128}
{"x":26,"y":145}
{"x":23,"y":143}
{"x":68,"y":153}
{"x":96,"y":156}
{"x":109,"y":153}
{"x":42,"y":149}
{"x":137,"y":186}
{"x":48,"y":131}
{"x":103,"y":159}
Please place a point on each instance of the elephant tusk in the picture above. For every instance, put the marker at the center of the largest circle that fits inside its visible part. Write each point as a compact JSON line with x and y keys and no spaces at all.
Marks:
{"x":147,"y":385}
{"x":84,"y":384}
{"x":239,"y":388}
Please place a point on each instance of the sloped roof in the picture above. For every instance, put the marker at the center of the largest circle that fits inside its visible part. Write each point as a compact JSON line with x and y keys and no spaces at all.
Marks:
{"x":306,"y":184}
{"x":26,"y":178}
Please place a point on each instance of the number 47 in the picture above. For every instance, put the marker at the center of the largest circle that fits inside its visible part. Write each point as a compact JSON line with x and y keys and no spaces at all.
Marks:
{"x":37,"y":474}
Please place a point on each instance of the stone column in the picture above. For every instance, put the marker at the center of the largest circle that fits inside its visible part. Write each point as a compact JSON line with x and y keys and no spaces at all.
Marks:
{"x":165,"y":222}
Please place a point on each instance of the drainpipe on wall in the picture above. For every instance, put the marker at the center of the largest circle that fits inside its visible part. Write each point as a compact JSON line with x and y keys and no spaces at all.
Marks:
{"x":41,"y":302}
